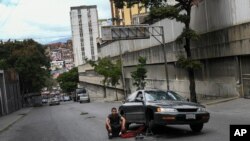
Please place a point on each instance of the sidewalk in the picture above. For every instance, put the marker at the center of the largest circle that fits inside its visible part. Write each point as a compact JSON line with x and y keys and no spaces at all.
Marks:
{"x":217,"y":101}
{"x":8,"y":120}
{"x":203,"y":102}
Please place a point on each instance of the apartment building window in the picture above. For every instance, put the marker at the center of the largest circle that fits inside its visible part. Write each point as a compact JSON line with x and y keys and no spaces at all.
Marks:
{"x":89,"y":14}
{"x":82,"y":40}
{"x":79,"y":11}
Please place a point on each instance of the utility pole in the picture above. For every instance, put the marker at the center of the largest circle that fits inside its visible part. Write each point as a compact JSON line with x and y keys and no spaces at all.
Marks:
{"x":122,"y":69}
{"x":155,"y":32}
{"x":165,"y":57}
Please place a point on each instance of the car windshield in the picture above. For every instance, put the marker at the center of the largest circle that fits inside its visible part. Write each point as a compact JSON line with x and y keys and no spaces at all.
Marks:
{"x":162,"y":95}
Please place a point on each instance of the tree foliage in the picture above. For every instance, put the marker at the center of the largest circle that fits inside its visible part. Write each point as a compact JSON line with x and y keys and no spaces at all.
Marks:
{"x":145,"y":3}
{"x":110,"y":71}
{"x":29,"y":60}
{"x":139,"y":74}
{"x":68,"y":80}
{"x":187,"y":63}
{"x":181,"y":12}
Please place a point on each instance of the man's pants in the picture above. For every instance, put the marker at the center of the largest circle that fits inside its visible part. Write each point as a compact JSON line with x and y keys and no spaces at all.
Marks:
{"x":115,"y":129}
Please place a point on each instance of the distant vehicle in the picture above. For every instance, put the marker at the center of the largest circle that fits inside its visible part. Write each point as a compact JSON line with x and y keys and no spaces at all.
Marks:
{"x":157,"y":107}
{"x":61,"y":98}
{"x":44,"y":100}
{"x":36,"y":101}
{"x":66,"y":98}
{"x":54,"y":101}
{"x":82,"y":95}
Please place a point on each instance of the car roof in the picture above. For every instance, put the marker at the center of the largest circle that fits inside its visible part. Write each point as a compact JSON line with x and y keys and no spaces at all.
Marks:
{"x":155,"y":90}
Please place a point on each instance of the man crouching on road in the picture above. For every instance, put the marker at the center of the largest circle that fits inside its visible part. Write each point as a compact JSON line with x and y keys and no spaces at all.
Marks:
{"x":115,"y":124}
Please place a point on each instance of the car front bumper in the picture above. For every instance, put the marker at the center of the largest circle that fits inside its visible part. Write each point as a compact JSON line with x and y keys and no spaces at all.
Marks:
{"x":180,"y":118}
{"x":84,"y":99}
{"x":54,"y":103}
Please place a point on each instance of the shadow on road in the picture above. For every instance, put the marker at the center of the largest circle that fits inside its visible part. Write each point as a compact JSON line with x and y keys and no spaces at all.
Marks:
{"x":174,"y":132}
{"x":171,"y":132}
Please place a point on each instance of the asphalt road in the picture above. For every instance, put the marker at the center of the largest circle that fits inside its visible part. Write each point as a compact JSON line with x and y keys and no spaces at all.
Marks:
{"x":85,"y":122}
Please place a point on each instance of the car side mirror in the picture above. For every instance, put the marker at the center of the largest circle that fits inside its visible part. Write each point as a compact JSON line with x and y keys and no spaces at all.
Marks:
{"x":139,"y":99}
{"x":188,"y":99}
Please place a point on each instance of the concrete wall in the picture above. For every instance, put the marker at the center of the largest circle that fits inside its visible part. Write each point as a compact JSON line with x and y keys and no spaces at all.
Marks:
{"x":96,"y":92}
{"x":225,"y":39}
{"x":209,"y":16}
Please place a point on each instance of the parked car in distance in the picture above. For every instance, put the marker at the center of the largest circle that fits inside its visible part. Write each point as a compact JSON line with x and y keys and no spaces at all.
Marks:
{"x":82,"y":95}
{"x":157,"y":107}
{"x":66,"y":98}
{"x":61,"y":98}
{"x":44,"y":100}
{"x":54,"y":101}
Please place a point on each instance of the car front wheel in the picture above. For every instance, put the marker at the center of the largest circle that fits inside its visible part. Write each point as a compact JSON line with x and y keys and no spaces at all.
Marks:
{"x":196,"y":127}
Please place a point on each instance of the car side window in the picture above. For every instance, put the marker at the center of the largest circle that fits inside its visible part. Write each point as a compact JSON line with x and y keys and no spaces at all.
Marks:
{"x":131,"y":97}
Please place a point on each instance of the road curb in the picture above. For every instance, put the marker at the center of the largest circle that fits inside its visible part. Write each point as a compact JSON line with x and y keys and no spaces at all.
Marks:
{"x":20,"y":116}
{"x":220,"y":101}
{"x":112,"y":101}
{"x":10,"y":124}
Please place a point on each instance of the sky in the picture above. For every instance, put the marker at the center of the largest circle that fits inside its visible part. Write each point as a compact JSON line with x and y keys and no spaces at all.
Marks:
{"x":42,"y":20}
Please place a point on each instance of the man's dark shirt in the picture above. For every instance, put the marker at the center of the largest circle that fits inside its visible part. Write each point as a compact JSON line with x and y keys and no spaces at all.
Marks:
{"x":114,"y":119}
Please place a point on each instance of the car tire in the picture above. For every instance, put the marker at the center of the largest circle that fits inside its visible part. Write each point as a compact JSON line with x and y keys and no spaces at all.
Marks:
{"x":196,"y":127}
{"x":150,"y":124}
{"x":127,"y":126}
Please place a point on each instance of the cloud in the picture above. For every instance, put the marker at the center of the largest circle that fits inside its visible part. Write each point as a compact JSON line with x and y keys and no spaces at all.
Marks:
{"x":10,"y":2}
{"x":43,"y":19}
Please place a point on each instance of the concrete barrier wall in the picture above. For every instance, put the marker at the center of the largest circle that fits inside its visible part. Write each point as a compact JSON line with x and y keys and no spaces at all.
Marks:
{"x":224,"y":26}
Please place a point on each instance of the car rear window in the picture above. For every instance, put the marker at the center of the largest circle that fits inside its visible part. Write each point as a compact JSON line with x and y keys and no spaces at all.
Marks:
{"x":78,"y":91}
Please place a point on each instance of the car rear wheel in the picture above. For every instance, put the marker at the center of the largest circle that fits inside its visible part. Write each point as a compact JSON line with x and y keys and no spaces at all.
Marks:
{"x":127,"y":126}
{"x":196,"y":127}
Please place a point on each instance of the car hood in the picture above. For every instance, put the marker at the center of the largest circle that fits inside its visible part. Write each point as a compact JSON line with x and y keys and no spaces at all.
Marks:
{"x":175,"y":104}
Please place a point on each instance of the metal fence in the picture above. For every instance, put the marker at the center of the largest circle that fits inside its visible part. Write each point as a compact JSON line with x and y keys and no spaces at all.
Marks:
{"x":10,"y":97}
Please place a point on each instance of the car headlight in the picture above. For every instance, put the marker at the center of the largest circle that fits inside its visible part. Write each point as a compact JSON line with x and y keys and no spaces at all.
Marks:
{"x":166,"y":110}
{"x":201,"y":109}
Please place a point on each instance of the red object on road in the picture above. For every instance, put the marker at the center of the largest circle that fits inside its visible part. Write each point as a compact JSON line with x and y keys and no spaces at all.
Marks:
{"x":131,"y":134}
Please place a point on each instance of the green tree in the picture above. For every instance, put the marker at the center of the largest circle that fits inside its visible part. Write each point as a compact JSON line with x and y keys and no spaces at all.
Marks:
{"x":50,"y":83}
{"x":140,"y":74}
{"x":181,"y":12}
{"x":115,"y":75}
{"x":29,"y":60}
{"x":68,"y":80}
{"x":110,"y":71}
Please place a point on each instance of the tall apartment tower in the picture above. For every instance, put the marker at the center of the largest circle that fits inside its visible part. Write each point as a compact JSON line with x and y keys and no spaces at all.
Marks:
{"x":84,"y":26}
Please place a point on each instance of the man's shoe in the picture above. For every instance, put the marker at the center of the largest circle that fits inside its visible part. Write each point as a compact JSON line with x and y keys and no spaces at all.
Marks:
{"x":110,"y":135}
